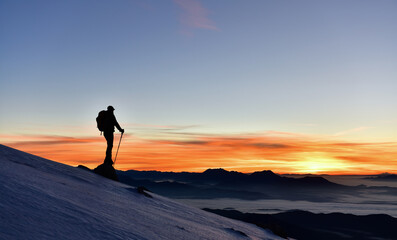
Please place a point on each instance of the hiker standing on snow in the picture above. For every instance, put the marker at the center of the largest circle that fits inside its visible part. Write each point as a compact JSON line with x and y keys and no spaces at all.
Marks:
{"x":108,"y":129}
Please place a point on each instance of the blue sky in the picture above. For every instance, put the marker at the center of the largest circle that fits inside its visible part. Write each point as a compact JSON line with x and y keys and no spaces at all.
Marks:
{"x":311,"y":67}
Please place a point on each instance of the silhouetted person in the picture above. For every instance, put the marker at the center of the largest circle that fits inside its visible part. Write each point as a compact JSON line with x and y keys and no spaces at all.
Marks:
{"x":110,"y":123}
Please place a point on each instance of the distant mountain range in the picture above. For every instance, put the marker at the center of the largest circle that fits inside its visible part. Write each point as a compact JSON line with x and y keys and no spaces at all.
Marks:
{"x":383,"y":177}
{"x":220,"y":183}
{"x":223,"y":177}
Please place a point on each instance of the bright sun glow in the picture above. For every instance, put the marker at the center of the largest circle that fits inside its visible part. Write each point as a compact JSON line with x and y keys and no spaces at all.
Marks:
{"x":319,"y":163}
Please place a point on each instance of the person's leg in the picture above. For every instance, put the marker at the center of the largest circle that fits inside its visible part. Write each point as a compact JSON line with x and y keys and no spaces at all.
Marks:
{"x":109,"y":139}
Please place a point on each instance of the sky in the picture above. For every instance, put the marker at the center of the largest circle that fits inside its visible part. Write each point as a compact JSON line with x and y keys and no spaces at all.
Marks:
{"x":293,"y":86}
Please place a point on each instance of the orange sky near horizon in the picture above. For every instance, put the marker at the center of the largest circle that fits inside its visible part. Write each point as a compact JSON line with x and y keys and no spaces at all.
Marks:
{"x":201,"y":85}
{"x":276,"y":151}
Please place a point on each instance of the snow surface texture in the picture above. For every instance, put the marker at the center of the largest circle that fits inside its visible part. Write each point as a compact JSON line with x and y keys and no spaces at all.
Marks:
{"x":42,"y":199}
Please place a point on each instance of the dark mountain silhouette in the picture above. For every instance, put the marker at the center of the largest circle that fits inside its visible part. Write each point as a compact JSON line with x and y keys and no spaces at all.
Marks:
{"x":223,"y":177}
{"x":316,"y":181}
{"x":208,"y":176}
{"x":216,"y":172}
{"x":309,"y":226}
{"x":220,"y":174}
{"x":182,"y":190}
{"x":220,"y":183}
{"x":268,"y":177}
{"x":265,"y":175}
{"x":383,"y":177}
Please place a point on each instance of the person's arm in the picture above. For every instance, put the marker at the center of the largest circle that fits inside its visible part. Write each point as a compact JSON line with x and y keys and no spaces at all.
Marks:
{"x":118,"y":125}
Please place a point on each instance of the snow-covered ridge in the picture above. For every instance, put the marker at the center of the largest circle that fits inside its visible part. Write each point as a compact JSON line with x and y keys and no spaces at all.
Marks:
{"x":42,"y":199}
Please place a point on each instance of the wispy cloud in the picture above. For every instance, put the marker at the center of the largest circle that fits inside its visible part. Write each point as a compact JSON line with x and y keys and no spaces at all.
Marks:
{"x":194,"y":16}
{"x":349,"y":131}
{"x":53,"y":140}
{"x":138,"y":126}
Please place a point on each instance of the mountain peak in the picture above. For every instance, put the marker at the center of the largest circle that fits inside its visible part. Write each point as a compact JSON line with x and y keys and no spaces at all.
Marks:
{"x":265,"y":173}
{"x":215,"y":171}
{"x":316,"y":180}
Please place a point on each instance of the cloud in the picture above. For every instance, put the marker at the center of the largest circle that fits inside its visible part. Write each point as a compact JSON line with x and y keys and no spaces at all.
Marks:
{"x":269,"y":145}
{"x":359,"y":129}
{"x":194,"y":16}
{"x":227,"y":142}
{"x":54,"y":140}
{"x":41,"y":140}
{"x":138,"y":126}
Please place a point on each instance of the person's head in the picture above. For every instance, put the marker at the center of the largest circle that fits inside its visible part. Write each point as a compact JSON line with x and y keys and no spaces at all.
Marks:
{"x":110,"y":108}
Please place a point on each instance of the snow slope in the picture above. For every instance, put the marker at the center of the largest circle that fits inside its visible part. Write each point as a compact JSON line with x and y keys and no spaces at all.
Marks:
{"x":42,"y":199}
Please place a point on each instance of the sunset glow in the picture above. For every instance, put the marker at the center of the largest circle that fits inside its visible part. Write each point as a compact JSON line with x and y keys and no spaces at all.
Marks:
{"x":280,"y":152}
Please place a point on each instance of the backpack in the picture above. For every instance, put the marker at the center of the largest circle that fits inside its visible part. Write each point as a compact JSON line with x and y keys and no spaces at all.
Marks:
{"x":101,"y":121}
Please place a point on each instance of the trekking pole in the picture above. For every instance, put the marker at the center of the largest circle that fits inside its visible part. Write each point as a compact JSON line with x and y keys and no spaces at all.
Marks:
{"x":118,"y":148}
